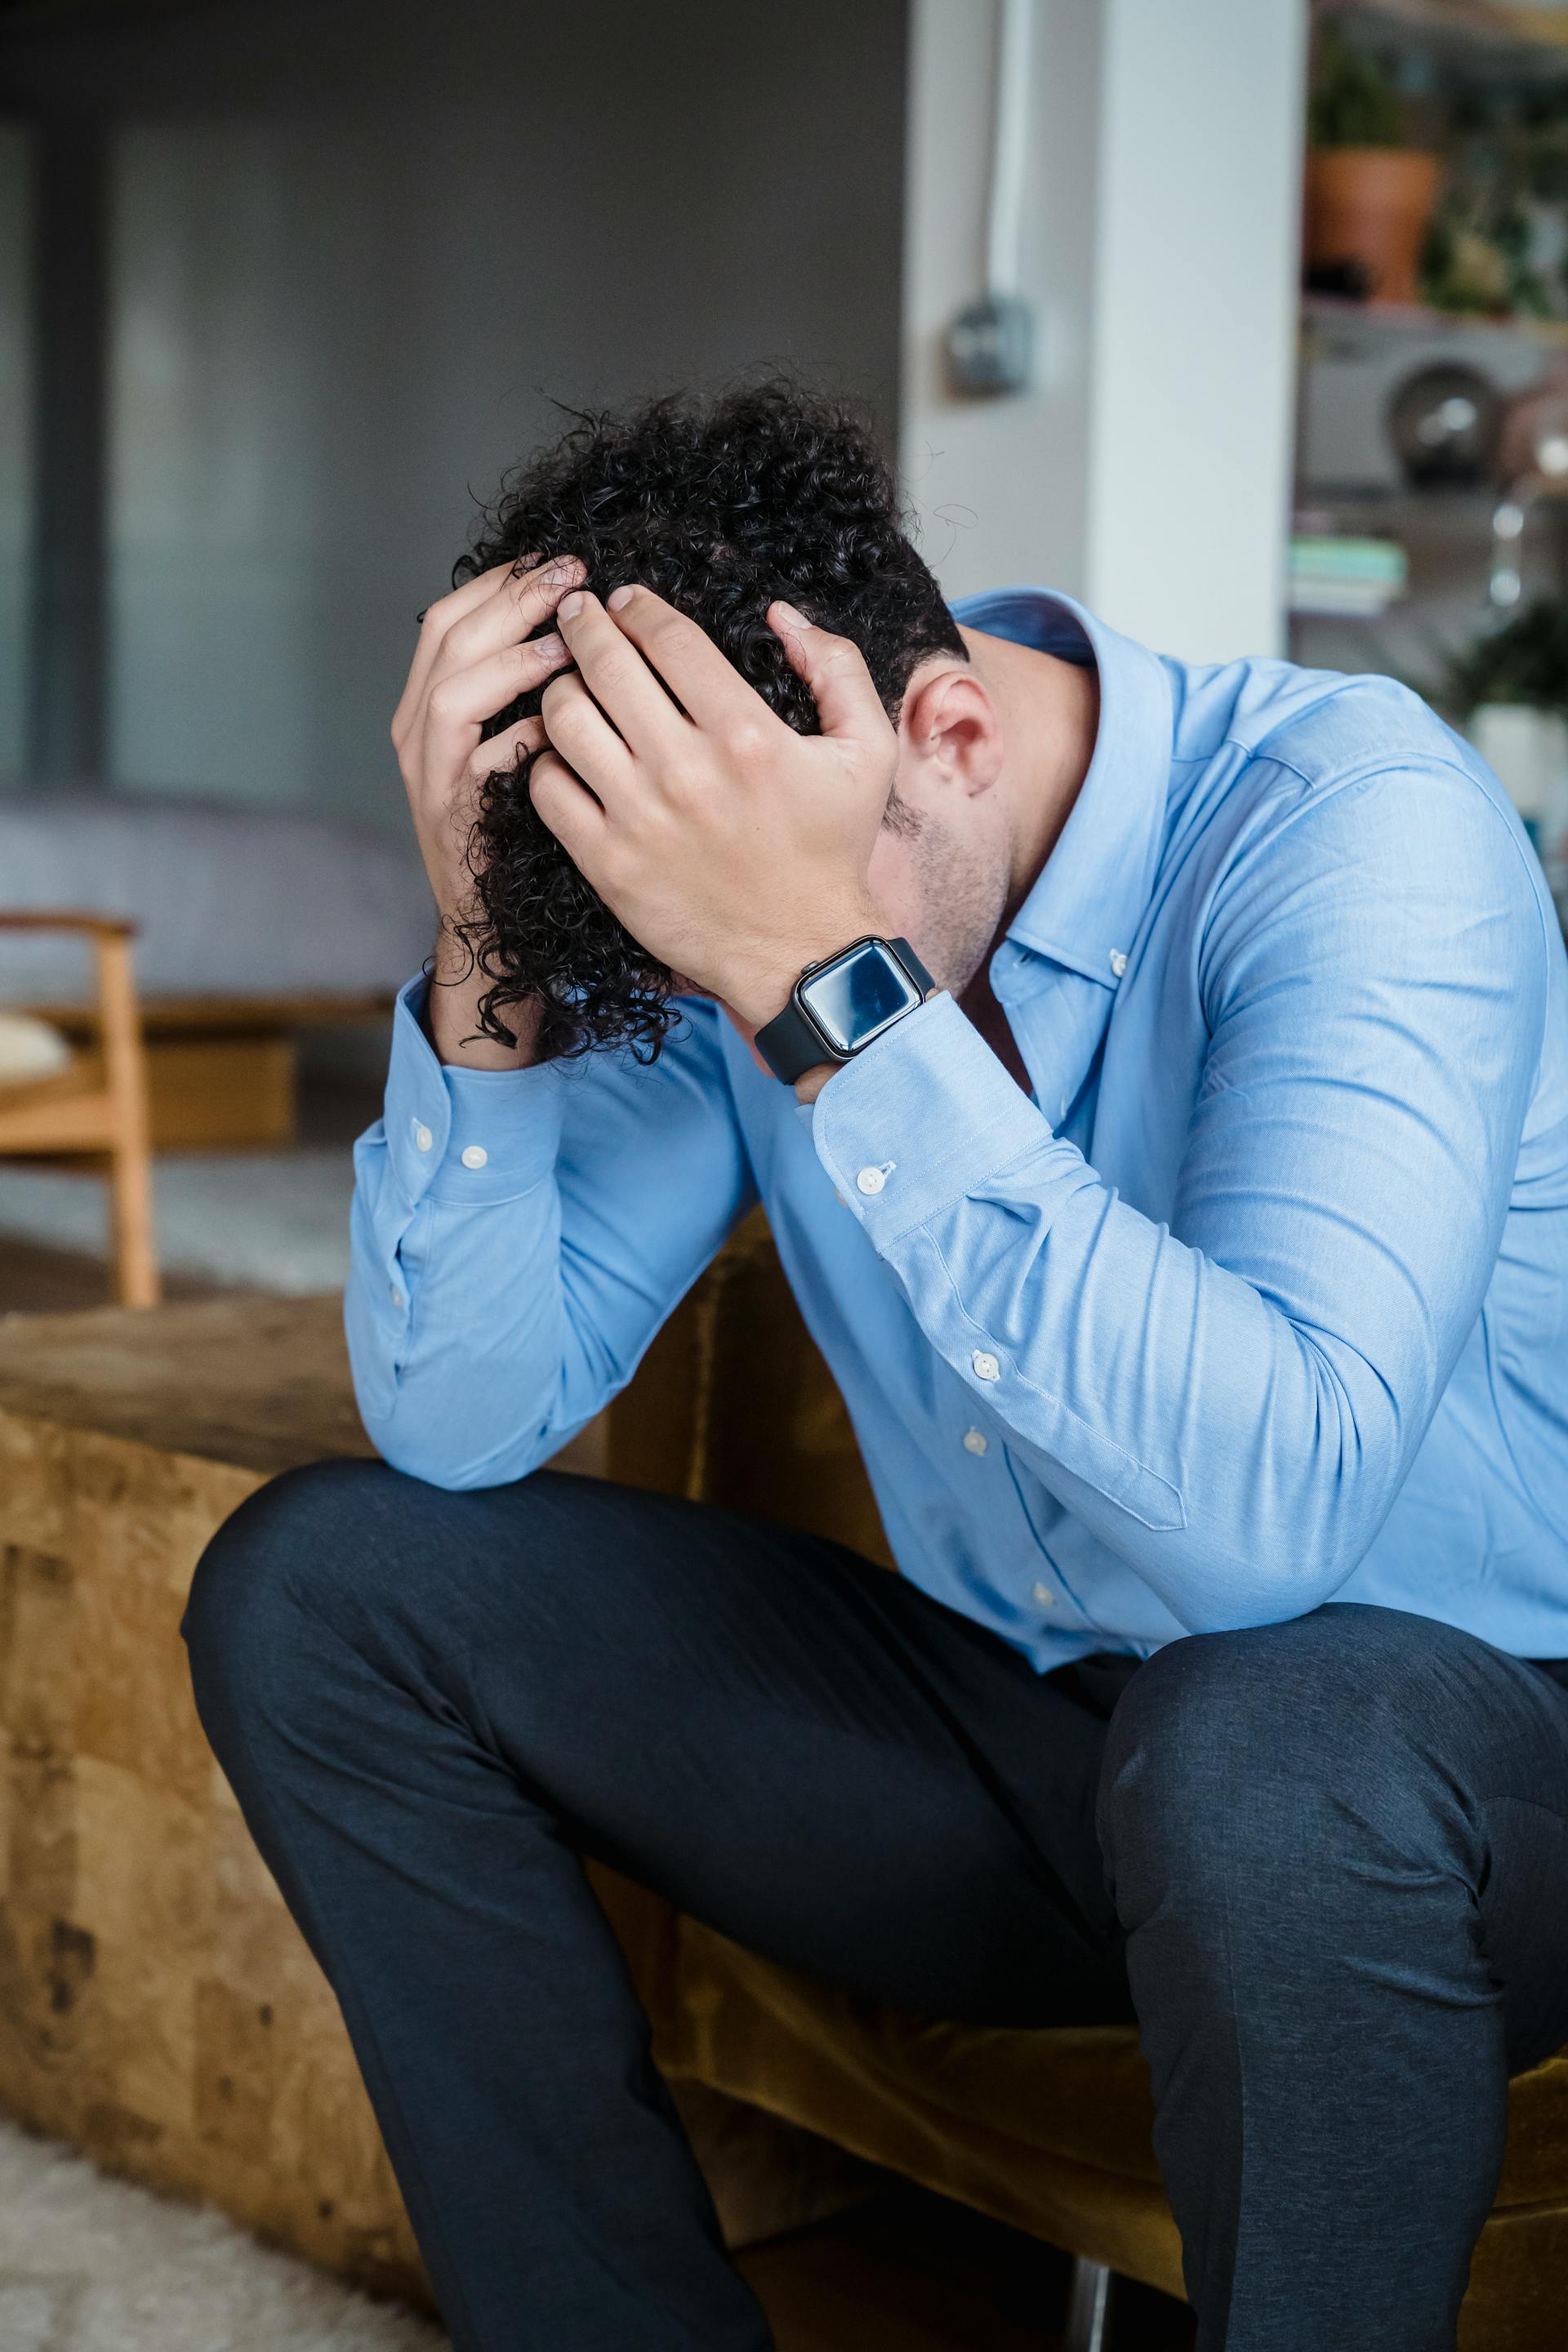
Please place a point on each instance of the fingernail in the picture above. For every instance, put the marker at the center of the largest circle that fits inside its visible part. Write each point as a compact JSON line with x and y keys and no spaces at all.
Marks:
{"x":619,"y":596}
{"x":570,"y":605}
{"x":791,"y":613}
{"x":550,"y":648}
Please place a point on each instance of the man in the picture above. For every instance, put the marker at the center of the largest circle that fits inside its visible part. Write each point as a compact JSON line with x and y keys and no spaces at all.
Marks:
{"x":1170,"y":1155}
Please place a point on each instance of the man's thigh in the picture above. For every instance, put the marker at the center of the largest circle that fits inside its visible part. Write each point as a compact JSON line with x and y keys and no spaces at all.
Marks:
{"x":791,"y":1744}
{"x":1360,"y":1763}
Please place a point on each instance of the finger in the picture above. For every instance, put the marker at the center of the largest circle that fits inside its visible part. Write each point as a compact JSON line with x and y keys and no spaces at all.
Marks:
{"x":520,"y":605}
{"x":578,"y":730}
{"x":565,"y":804}
{"x":458,"y":704}
{"x":835,"y":668}
{"x":706,"y":685}
{"x":499,"y":608}
{"x":434,"y":622}
{"x":498,"y":754}
{"x":620,"y":679}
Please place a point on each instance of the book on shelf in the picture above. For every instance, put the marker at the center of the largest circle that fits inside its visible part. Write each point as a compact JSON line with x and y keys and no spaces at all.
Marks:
{"x":1346,"y":577}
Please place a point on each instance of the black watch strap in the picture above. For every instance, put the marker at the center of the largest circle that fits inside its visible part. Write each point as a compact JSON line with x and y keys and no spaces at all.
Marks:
{"x":791,"y":1043}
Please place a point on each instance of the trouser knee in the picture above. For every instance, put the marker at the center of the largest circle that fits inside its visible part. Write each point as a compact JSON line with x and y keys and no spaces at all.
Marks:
{"x":1282,"y":1768}
{"x":276,"y":1579}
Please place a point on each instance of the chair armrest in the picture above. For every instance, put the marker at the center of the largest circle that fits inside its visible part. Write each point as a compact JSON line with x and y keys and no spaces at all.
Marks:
{"x":118,"y":1015}
{"x":40,"y":919}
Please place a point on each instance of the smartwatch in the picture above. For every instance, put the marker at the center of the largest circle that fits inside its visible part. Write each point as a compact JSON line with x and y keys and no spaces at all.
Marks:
{"x":838,"y":1006}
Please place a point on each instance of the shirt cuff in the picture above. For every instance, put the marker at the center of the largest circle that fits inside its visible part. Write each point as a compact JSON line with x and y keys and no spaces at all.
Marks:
{"x":470,"y":1136}
{"x":924,"y":1115}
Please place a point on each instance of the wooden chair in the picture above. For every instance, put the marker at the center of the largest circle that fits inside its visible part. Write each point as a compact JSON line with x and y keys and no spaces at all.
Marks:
{"x":96,"y":1106}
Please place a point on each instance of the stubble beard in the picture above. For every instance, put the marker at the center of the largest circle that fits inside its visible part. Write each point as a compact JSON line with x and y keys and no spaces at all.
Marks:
{"x":963,"y":885}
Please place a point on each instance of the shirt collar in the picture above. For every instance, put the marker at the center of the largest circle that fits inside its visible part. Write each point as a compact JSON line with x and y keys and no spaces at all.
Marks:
{"x":1091,"y":893}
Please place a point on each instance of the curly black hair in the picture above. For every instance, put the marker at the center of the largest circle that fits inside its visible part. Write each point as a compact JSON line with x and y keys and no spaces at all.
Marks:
{"x":720,"y":504}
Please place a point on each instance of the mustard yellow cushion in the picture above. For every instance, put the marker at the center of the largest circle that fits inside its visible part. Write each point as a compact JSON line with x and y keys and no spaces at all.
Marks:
{"x":1051,"y":2130}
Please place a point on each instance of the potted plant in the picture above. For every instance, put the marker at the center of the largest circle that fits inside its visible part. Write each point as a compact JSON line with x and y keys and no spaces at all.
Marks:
{"x":1369,"y":194}
{"x":1497,"y":245}
{"x":1508,"y":691}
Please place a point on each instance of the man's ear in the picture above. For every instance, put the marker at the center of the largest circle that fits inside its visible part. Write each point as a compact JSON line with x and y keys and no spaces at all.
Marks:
{"x":948,"y":724}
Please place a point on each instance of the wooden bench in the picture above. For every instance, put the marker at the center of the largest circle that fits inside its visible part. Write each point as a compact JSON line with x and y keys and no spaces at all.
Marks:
{"x":158,"y":2008}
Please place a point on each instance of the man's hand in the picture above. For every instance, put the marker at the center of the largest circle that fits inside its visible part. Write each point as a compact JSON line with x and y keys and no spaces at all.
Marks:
{"x":731,"y":847}
{"x":471,"y":661}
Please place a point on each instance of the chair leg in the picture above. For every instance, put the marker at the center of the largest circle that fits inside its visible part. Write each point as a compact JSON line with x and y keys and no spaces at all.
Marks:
{"x":1088,"y":2305}
{"x":130,"y":1162}
{"x":130,"y":1222}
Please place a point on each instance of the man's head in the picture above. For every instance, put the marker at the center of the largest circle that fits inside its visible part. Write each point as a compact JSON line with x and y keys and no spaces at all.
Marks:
{"x":723,"y":506}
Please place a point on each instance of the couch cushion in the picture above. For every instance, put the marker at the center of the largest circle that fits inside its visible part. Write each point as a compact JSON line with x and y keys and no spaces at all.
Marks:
{"x":231,"y":901}
{"x":1049,"y":2130}
{"x":30,"y":1049}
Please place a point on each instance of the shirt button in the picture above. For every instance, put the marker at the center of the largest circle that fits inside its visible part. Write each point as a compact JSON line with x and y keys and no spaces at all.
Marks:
{"x":1118,"y":962}
{"x":985,"y":1366}
{"x":475,"y":1155}
{"x":975,"y":1441}
{"x":1045,"y":1596}
{"x":396,"y":1296}
{"x":870,"y":1179}
{"x":423,"y":1138}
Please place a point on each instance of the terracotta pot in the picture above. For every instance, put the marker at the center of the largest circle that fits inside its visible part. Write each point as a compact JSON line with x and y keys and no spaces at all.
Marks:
{"x":1370,"y":205}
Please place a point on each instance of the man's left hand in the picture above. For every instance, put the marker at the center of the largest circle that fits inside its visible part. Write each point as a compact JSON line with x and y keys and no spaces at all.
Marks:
{"x":731,"y":848}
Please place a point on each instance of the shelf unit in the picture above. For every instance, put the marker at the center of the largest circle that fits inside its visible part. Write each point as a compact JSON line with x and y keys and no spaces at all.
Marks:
{"x":1440,"y":50}
{"x":1460,"y":26}
{"x":1336,"y":314}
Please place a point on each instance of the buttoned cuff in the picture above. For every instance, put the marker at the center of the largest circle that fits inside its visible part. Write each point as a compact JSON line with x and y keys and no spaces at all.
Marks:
{"x":924,"y":1115}
{"x":468,"y":1136}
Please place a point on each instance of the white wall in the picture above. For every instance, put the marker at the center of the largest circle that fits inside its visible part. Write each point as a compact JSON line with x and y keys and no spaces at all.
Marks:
{"x":1192,"y":373}
{"x":1000,"y":485}
{"x":1149,"y":468}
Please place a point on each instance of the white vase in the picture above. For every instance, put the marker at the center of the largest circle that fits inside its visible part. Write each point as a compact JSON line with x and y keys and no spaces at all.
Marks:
{"x":1527,"y":750}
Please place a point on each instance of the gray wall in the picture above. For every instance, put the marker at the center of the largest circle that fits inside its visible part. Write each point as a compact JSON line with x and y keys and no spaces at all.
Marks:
{"x":356,"y":247}
{"x":15,"y":444}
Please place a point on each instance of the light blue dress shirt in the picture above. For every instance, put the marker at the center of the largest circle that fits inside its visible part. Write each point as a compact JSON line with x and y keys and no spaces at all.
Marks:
{"x":1258,"y":1299}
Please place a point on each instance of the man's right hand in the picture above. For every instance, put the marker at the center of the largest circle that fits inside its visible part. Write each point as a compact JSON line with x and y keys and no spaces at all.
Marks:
{"x":476,"y":654}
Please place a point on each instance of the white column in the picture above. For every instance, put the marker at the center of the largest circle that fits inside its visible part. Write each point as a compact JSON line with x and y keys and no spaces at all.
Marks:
{"x":1192,"y":391}
{"x":999,"y":484}
{"x":1148,"y":467}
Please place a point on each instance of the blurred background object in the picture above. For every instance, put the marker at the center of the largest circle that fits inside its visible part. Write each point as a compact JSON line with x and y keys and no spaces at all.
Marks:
{"x":287,"y":285}
{"x":1369,"y":191}
{"x":313,"y":273}
{"x":1433,"y":414}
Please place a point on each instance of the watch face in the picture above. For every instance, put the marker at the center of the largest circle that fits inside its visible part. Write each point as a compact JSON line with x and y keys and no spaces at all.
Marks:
{"x":856,"y":998}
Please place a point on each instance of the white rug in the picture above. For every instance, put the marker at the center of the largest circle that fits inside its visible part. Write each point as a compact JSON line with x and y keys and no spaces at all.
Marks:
{"x":262,"y":1220}
{"x":91,"y":2266}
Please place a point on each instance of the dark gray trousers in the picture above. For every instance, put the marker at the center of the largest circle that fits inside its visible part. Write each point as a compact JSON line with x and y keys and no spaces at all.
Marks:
{"x":1324,"y":1863}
